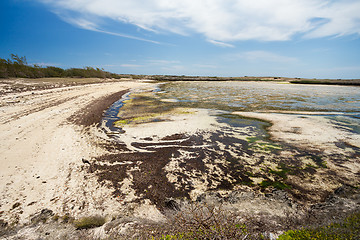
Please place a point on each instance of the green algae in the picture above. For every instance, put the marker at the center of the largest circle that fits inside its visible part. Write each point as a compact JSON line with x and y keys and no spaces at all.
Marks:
{"x":257,"y":143}
{"x":136,"y":120}
{"x":148,"y":107}
{"x":275,"y":184}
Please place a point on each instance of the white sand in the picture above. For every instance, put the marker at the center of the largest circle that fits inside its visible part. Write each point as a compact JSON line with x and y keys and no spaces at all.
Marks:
{"x":41,"y":153}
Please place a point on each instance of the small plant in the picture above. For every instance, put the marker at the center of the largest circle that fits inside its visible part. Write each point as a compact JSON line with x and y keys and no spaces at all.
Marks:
{"x":89,"y":222}
{"x":275,"y":184}
{"x":348,"y":229}
{"x":201,"y":221}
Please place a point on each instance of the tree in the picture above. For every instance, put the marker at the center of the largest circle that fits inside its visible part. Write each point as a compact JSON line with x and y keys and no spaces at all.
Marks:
{"x":19,"y":60}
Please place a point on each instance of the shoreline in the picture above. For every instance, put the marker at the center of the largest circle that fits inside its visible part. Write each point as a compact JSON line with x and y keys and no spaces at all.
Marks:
{"x":69,"y":159}
{"x":42,"y":150}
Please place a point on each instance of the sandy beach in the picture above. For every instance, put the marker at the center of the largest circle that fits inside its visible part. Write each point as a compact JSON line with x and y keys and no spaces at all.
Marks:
{"x":42,"y":150}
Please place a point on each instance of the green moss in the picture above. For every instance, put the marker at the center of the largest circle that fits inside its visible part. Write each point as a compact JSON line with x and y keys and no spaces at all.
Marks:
{"x":281,"y":173}
{"x":275,"y":184}
{"x":318,"y":160}
{"x":269,"y":146}
{"x":311,"y":166}
{"x":248,"y":183}
{"x":265,"y":146}
{"x":348,"y":229}
{"x":135,"y":120}
{"x":258,"y":143}
{"x":252,"y":139}
{"x":121,"y":122}
{"x":284,"y":170}
{"x":89,"y":222}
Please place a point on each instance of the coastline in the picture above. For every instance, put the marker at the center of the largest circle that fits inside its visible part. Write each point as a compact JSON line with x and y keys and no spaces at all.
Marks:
{"x":64,"y":164}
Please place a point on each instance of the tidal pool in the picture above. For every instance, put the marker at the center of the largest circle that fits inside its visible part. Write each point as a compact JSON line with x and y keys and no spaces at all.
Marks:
{"x":186,"y":138}
{"x":261,"y":96}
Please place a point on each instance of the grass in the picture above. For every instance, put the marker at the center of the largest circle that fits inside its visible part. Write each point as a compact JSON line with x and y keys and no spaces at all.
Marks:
{"x":89,"y":222}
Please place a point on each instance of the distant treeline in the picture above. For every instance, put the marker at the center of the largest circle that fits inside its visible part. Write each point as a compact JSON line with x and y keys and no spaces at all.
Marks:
{"x":17,"y":67}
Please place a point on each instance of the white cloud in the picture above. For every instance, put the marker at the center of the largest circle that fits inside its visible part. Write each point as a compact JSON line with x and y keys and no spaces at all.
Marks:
{"x":221,"y":21}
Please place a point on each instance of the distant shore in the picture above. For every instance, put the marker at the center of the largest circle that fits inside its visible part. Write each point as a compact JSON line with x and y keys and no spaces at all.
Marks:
{"x":66,"y":81}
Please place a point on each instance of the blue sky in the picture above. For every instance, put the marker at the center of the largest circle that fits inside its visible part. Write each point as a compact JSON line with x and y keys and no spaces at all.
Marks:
{"x":291,"y":38}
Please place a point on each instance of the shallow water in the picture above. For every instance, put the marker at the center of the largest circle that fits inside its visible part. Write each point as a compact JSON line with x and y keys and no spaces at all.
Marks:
{"x":229,"y":150}
{"x":259,"y":96}
{"x":341,"y":104}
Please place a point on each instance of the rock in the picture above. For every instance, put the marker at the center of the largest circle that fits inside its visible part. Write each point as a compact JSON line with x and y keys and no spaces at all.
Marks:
{"x":172,"y":204}
{"x":210,"y":197}
{"x":42,"y":216}
{"x":345,"y":191}
{"x":85,"y":161}
{"x":16,"y":205}
{"x":3,"y":224}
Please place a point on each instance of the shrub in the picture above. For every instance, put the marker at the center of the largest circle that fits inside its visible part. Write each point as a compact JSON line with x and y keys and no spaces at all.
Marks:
{"x":348,"y":229}
{"x":89,"y":222}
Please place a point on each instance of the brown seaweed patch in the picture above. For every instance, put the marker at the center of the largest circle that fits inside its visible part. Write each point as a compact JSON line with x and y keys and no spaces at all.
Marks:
{"x":93,"y":113}
{"x":148,"y":178}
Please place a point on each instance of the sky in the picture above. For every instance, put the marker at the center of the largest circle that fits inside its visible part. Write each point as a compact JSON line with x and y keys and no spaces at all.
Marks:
{"x":287,"y":38}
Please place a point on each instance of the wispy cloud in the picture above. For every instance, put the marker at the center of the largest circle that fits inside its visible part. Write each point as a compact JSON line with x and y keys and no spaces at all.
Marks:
{"x":84,"y":23}
{"x":210,"y":66}
{"x":221,"y":44}
{"x":130,"y":65}
{"x":163,"y":62}
{"x":124,"y":65}
{"x":263,"y":56}
{"x":221,"y":21}
{"x":45,"y":64}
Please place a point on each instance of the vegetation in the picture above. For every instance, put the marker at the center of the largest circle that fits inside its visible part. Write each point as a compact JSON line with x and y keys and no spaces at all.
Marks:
{"x":89,"y":222}
{"x":200,"y":221}
{"x":354,"y":82}
{"x":17,"y":67}
{"x":348,"y":229}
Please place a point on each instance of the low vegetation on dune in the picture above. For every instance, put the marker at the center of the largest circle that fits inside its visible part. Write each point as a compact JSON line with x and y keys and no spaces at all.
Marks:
{"x":346,"y":229}
{"x":17,"y":67}
{"x":202,"y":221}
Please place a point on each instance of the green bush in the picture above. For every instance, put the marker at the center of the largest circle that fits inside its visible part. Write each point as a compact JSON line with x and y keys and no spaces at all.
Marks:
{"x":89,"y":222}
{"x":18,"y":67}
{"x":348,"y":229}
